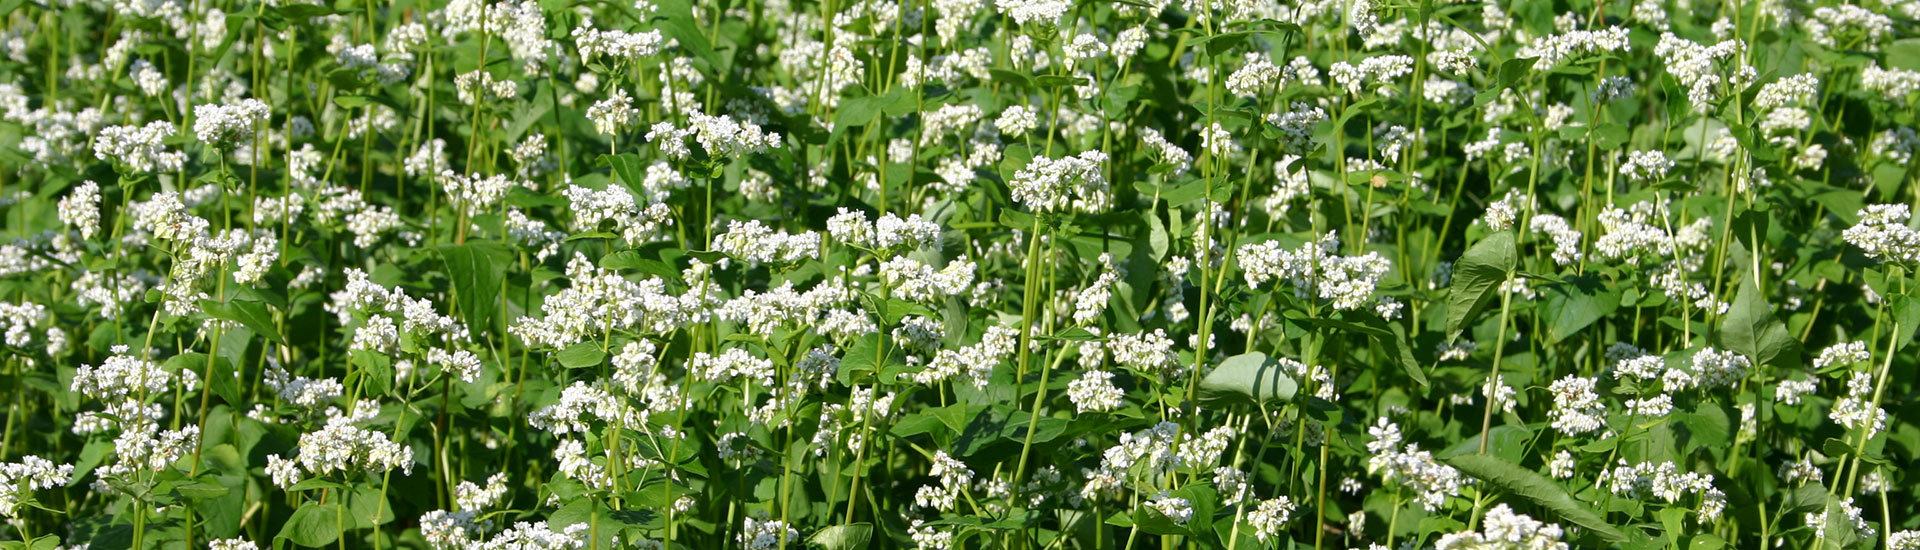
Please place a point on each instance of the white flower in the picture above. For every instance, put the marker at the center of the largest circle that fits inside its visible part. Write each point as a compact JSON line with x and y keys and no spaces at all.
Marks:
{"x":32,"y":473}
{"x":1502,"y":529}
{"x":1555,"y":49}
{"x":1374,"y":73}
{"x":1431,"y":481}
{"x":1561,"y":467}
{"x":1895,"y":85}
{"x":612,"y":115}
{"x":1256,"y":74}
{"x":1348,"y":282}
{"x":1094,"y":391}
{"x":1029,"y":12}
{"x":1270,"y":517}
{"x":1645,"y":166}
{"x":623,"y":46}
{"x":757,"y":244}
{"x":223,"y":126}
{"x":1577,"y":409}
{"x":1175,"y":508}
{"x":1017,"y":120}
{"x":1054,"y":185}
{"x":141,"y":148}
{"x":1884,"y":234}
{"x":80,"y":209}
{"x":232,"y":544}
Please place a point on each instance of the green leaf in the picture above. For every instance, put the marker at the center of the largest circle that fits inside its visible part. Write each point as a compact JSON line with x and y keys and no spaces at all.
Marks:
{"x":1248,"y":378}
{"x":1906,"y":317}
{"x":351,"y":101}
{"x":1012,"y":78}
{"x":627,"y":169}
{"x":1507,"y":442}
{"x":476,"y":269}
{"x":843,"y":537}
{"x":1707,"y":426}
{"x":1750,"y":329}
{"x":1904,"y":54}
{"x":634,"y":259}
{"x":1157,"y":235}
{"x":370,"y":507}
{"x":221,"y":378}
{"x":1477,"y":277}
{"x":1399,"y":349}
{"x":675,"y":19}
{"x":253,"y":315}
{"x":581,"y":355}
{"x":1053,"y":81}
{"x":313,"y":525}
{"x":861,"y":111}
{"x":1840,"y":531}
{"x":201,"y":490}
{"x":1534,"y":487}
{"x":1575,"y":304}
{"x":299,"y":12}
{"x":1610,"y":136}
{"x":1836,"y":448}
{"x":315,"y":483}
{"x":1514,"y":70}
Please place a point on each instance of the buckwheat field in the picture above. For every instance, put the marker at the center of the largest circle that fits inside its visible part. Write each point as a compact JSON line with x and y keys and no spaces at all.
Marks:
{"x":959,"y":274}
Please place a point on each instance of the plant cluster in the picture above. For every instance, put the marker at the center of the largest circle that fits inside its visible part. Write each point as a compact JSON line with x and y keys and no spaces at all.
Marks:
{"x":945,"y":274}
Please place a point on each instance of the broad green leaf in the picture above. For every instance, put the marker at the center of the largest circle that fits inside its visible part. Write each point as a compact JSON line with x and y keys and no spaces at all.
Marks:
{"x":860,"y":111}
{"x":1515,"y":70}
{"x":628,"y":170}
{"x":1399,"y":349}
{"x":1904,"y":54}
{"x":1506,"y":441}
{"x":370,"y":507}
{"x":1906,"y":316}
{"x":1157,"y":235}
{"x":1534,"y":487}
{"x":1839,"y":529}
{"x":314,"y":483}
{"x":1051,"y":81}
{"x":1576,"y":304}
{"x":1477,"y":278}
{"x":476,"y":269}
{"x":581,"y":355}
{"x":1707,"y":426}
{"x":674,"y":18}
{"x":201,"y":490}
{"x":843,"y":537}
{"x":221,"y":378}
{"x":313,"y":525}
{"x":1750,"y":329}
{"x":253,"y":315}
{"x":1249,"y":378}
{"x":1610,"y":136}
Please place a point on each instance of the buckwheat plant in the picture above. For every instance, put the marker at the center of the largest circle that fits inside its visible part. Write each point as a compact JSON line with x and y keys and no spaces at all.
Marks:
{"x":959,"y":274}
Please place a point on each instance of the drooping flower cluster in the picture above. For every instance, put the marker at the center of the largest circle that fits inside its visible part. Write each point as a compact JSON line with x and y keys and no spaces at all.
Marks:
{"x":223,"y":126}
{"x":1503,"y":529}
{"x":1077,"y":183}
{"x":1666,"y":482}
{"x":31,"y":473}
{"x":1884,"y":233}
{"x":1417,"y":470}
{"x":1315,"y":271}
{"x":757,"y":244}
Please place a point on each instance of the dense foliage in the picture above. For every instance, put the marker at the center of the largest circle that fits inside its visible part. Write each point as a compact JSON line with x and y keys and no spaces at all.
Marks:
{"x":1024,"y":274}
